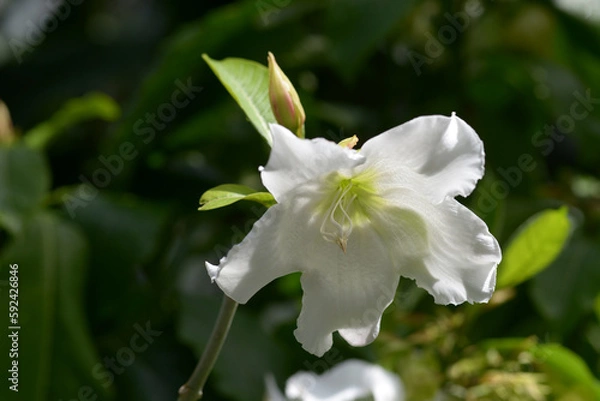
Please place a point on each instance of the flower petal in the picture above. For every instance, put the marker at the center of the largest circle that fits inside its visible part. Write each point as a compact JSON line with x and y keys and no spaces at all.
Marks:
{"x":348,"y":381}
{"x":460,"y":260}
{"x":294,"y":161}
{"x":272,"y":391}
{"x":345,"y":291}
{"x":446,"y":151}
{"x":260,"y":257}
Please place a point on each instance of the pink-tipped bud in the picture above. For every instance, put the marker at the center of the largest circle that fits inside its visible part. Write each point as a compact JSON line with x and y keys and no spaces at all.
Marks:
{"x":7,"y":133}
{"x":285,"y":102}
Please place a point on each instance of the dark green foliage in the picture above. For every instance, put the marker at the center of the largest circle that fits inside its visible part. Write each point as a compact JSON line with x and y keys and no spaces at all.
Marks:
{"x":100,"y":212}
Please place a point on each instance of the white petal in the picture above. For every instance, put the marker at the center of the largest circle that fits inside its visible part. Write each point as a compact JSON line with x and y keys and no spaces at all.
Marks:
{"x":345,"y":291}
{"x":294,"y":161}
{"x":445,"y":151}
{"x":460,"y":260}
{"x":273,"y":392}
{"x":260,"y":257}
{"x":348,"y":381}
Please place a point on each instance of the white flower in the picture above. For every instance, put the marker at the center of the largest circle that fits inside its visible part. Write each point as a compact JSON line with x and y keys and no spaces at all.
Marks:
{"x":349,"y":381}
{"x":353,"y":222}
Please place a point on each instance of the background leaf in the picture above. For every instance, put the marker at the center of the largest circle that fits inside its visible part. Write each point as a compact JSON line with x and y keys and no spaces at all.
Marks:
{"x":24,"y":181}
{"x":56,"y":353}
{"x":74,"y":111}
{"x":568,"y":369}
{"x":357,"y":26}
{"x":124,"y":235}
{"x":566,"y":289}
{"x":537,"y":243}
{"x":517,"y":72}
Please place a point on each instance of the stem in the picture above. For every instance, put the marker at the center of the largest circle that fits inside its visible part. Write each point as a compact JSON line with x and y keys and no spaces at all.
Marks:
{"x":192,"y":390}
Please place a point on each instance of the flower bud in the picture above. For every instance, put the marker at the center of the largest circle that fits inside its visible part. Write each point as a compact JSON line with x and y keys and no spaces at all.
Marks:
{"x":6,"y":127}
{"x":349,"y":143}
{"x":285,"y":102}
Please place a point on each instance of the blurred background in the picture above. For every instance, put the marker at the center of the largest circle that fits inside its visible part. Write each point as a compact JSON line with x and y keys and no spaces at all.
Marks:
{"x":119,"y":126}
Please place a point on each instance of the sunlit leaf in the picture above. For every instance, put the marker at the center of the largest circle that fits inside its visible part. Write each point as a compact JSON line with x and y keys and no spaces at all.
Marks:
{"x":226,"y":194}
{"x":537,"y":243}
{"x":75,"y":111}
{"x":248,"y":82}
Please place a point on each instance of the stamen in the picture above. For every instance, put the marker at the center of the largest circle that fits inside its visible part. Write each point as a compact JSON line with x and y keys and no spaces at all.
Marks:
{"x":337,"y":224}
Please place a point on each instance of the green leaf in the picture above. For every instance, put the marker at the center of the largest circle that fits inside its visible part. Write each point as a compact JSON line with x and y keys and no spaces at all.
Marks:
{"x":91,"y":106}
{"x":509,"y":344}
{"x":248,"y":82}
{"x":537,"y":243}
{"x":565,"y":291}
{"x":193,"y":133}
{"x":124,"y":232}
{"x":226,"y":194}
{"x":56,"y":354}
{"x":356,"y":27}
{"x":567,"y":369}
{"x":24,"y":182}
{"x":568,"y":373}
{"x":180,"y":58}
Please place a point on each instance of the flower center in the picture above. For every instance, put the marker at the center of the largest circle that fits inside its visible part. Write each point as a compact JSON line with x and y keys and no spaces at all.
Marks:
{"x":346,"y":206}
{"x":337,"y":223}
